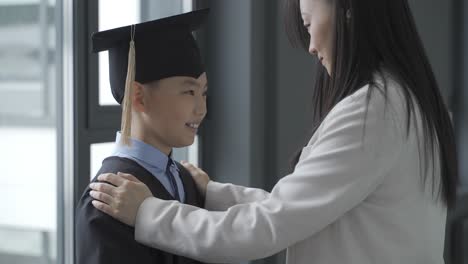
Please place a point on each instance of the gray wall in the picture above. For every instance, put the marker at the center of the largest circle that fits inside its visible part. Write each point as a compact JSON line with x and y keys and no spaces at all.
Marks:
{"x":462,"y":97}
{"x":293,"y":80}
{"x":434,"y":20}
{"x":260,"y":92}
{"x":231,"y":137}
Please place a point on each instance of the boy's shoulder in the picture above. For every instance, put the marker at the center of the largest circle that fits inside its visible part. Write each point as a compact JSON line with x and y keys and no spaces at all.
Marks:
{"x":114,"y":164}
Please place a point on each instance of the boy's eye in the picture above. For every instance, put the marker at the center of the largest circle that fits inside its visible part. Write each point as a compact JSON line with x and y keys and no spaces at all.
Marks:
{"x":191,"y":92}
{"x":205,"y":94}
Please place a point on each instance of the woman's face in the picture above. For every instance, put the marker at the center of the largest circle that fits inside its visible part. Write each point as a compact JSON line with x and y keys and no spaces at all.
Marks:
{"x":317,"y":16}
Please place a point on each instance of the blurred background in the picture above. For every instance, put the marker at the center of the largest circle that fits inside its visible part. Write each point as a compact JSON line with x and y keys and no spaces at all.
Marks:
{"x":58,"y":118}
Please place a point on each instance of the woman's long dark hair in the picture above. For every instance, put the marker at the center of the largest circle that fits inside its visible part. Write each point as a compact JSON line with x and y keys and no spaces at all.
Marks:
{"x":381,"y":36}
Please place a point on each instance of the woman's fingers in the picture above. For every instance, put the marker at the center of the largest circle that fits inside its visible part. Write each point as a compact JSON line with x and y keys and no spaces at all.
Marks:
{"x":192,"y":169}
{"x":111,"y":178}
{"x":129,"y":177}
{"x":199,"y":176}
{"x":103,"y":197}
{"x":103,"y":188}
{"x":103,"y":207}
{"x":195,"y":171}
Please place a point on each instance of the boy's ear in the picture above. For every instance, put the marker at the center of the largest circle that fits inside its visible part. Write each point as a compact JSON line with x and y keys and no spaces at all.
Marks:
{"x":138,"y":97}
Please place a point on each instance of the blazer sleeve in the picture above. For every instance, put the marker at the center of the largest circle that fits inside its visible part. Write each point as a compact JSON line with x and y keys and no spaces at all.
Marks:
{"x":221,"y":196}
{"x":353,"y":152}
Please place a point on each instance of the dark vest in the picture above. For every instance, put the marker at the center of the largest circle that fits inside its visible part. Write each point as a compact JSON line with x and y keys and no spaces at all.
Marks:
{"x":102,"y":239}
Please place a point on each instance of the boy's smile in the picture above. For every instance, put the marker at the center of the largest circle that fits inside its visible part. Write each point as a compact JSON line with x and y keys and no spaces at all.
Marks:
{"x":193,"y":126}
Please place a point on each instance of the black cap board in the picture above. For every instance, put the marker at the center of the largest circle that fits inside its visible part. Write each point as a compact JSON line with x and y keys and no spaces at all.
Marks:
{"x":163,"y":48}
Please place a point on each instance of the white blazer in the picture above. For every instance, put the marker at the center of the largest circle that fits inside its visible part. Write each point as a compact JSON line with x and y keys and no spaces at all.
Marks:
{"x":356,"y":197}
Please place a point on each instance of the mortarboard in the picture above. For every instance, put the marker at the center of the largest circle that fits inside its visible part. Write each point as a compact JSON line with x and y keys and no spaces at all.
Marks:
{"x":148,"y":52}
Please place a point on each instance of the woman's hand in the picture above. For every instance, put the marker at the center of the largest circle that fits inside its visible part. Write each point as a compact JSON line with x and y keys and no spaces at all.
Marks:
{"x":121,"y":198}
{"x":199,"y":176}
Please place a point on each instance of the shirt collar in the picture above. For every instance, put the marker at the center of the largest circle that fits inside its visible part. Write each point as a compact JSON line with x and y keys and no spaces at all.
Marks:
{"x":144,"y":152}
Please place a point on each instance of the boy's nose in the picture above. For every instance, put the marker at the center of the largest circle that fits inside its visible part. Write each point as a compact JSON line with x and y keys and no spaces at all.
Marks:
{"x":201,"y":110}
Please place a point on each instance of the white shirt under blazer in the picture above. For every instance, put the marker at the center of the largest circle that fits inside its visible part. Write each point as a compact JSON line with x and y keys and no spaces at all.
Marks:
{"x":355,"y":197}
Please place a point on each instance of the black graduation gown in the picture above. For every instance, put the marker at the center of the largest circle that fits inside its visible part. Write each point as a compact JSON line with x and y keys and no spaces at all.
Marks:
{"x":101,"y":239}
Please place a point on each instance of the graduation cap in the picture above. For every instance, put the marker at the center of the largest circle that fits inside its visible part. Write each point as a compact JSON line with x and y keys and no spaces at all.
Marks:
{"x":149,"y":52}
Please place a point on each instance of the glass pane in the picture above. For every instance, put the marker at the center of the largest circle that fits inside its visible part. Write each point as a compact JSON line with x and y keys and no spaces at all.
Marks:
{"x":114,"y":14}
{"x":30,"y":87}
{"x":98,"y":153}
{"x":28,"y":131}
{"x":193,"y":153}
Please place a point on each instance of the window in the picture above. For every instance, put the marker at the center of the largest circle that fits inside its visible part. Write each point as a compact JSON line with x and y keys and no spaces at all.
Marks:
{"x":29,"y":130}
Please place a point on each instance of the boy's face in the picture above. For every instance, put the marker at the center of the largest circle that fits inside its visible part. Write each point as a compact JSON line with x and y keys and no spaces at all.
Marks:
{"x":172,"y":110}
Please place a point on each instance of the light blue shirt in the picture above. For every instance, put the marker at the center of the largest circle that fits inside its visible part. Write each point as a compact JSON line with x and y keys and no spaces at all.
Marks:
{"x":153,"y":160}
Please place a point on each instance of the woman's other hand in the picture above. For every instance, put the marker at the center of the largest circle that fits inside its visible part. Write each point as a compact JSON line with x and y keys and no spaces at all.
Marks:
{"x":199,"y":176}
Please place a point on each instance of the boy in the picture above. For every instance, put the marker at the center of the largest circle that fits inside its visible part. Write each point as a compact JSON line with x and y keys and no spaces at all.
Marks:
{"x":157,"y":75}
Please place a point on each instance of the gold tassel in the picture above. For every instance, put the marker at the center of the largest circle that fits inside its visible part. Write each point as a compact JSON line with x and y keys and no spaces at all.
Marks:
{"x":127,"y":101}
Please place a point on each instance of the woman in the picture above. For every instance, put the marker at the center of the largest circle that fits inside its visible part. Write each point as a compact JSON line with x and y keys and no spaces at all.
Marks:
{"x":371,"y":186}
